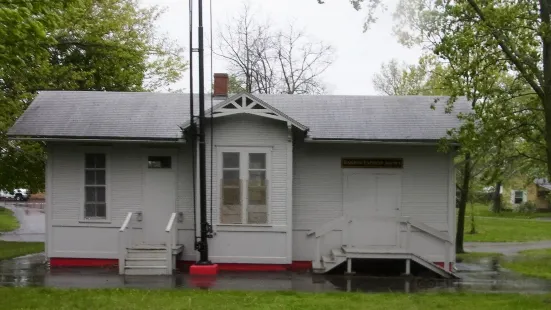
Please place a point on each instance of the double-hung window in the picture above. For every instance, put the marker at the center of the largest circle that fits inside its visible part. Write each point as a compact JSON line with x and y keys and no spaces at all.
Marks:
{"x":519,"y":197}
{"x":95,"y":205}
{"x":244,"y":187}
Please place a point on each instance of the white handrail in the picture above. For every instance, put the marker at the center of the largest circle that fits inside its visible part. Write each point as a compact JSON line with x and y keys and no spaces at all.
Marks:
{"x":123,"y":241}
{"x":428,"y":229}
{"x":431,"y":232}
{"x":170,"y":242}
{"x":170,"y":222}
{"x":126,"y":221}
{"x":328,"y":227}
{"x":343,"y":222}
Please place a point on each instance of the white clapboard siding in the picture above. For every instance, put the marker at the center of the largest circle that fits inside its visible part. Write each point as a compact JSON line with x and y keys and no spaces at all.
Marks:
{"x":252,"y":131}
{"x":124,"y":180}
{"x":68,"y":180}
{"x":184,"y":191}
{"x":318,"y":195}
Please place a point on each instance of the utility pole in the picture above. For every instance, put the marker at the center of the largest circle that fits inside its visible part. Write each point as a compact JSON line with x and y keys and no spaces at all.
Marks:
{"x":204,"y":265}
{"x":205,"y":226}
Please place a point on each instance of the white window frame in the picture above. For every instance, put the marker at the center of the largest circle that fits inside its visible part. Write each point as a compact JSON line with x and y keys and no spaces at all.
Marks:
{"x":244,"y":176}
{"x":107,"y":153}
{"x":515,"y":196}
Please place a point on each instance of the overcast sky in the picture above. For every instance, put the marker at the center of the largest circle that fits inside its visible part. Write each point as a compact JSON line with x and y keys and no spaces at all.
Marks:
{"x":358,"y":55}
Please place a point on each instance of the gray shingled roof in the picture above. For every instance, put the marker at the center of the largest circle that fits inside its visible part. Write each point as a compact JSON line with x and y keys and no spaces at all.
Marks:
{"x":118,"y":115}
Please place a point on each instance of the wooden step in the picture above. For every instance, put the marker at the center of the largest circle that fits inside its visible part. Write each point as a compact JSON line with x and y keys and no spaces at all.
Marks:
{"x":138,"y":262}
{"x":338,"y":252}
{"x":146,"y":254}
{"x":155,"y":248}
{"x":145,"y":270}
{"x":145,"y":267}
{"x":374,"y":250}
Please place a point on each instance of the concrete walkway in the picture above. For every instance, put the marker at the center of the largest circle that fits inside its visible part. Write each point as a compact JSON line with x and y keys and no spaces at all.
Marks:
{"x":32,"y":223}
{"x":506,"y":248}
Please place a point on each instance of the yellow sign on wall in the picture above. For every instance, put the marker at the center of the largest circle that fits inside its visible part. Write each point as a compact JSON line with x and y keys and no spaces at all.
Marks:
{"x":372,"y":163}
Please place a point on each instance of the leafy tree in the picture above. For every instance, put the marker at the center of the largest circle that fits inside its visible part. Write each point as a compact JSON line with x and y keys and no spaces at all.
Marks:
{"x":73,"y":45}
{"x":505,"y":37}
{"x":397,"y":79}
{"x":507,"y":129}
{"x":235,"y":86}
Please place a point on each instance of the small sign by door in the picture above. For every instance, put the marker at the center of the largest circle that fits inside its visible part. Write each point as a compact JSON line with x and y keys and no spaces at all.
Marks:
{"x":372,"y":163}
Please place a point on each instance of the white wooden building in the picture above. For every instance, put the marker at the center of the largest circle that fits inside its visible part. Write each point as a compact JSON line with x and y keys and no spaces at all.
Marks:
{"x":297,"y":181}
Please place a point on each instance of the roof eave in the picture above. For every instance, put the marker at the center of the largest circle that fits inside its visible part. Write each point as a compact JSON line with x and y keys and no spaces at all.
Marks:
{"x":95,"y":139}
{"x":379,"y":141}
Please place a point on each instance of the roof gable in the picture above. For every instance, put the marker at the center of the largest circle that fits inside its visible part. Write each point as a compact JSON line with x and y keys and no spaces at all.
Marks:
{"x":246,"y":103}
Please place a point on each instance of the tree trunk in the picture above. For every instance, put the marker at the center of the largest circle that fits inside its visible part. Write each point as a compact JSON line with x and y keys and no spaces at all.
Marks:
{"x":463,"y":204}
{"x":496,"y":206}
{"x":545,"y":11}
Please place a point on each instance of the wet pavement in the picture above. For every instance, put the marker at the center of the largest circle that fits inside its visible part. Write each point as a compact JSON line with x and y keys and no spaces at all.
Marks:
{"x":506,"y":248}
{"x":32,"y":222}
{"x":483,"y":276}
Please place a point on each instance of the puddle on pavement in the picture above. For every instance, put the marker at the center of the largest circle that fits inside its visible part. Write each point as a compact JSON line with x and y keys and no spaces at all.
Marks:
{"x":484,"y":275}
{"x":32,"y":223}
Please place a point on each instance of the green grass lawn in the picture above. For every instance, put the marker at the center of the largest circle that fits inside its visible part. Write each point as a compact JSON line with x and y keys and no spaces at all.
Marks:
{"x":505,"y":226}
{"x":535,"y":263}
{"x":40,"y":298}
{"x":8,"y":222}
{"x":11,"y":249}
{"x":485,"y":210}
{"x":507,"y":230}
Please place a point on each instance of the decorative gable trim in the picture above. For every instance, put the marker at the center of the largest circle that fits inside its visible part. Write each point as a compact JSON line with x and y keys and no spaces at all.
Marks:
{"x":248,"y":104}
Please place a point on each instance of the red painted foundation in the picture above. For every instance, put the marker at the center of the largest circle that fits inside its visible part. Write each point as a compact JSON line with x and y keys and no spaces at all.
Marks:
{"x":183,"y":265}
{"x":203,"y":270}
{"x":189,"y":265}
{"x":83,"y":262}
{"x":441,"y":265}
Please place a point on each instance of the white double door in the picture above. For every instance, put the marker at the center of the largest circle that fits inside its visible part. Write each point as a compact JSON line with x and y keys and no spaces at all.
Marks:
{"x":372,"y":199}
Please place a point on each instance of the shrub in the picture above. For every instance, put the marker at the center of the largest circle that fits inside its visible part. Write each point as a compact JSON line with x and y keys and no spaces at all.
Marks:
{"x":526,"y":207}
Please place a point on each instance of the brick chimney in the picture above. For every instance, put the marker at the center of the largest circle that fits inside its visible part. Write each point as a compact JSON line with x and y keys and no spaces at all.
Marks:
{"x":220,"y":85}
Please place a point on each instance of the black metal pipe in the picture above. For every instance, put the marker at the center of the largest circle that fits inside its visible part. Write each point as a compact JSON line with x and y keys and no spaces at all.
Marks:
{"x":191,"y":136}
{"x":204,"y":249}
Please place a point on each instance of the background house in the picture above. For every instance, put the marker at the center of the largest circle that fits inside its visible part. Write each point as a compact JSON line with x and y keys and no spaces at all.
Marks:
{"x":518,"y":192}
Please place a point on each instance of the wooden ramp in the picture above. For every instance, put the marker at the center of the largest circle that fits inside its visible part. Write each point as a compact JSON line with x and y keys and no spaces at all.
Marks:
{"x":342,"y":255}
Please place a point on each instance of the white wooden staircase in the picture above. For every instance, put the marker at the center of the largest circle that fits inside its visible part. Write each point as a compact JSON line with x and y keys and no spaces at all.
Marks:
{"x":137,"y":258}
{"x":347,"y":254}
